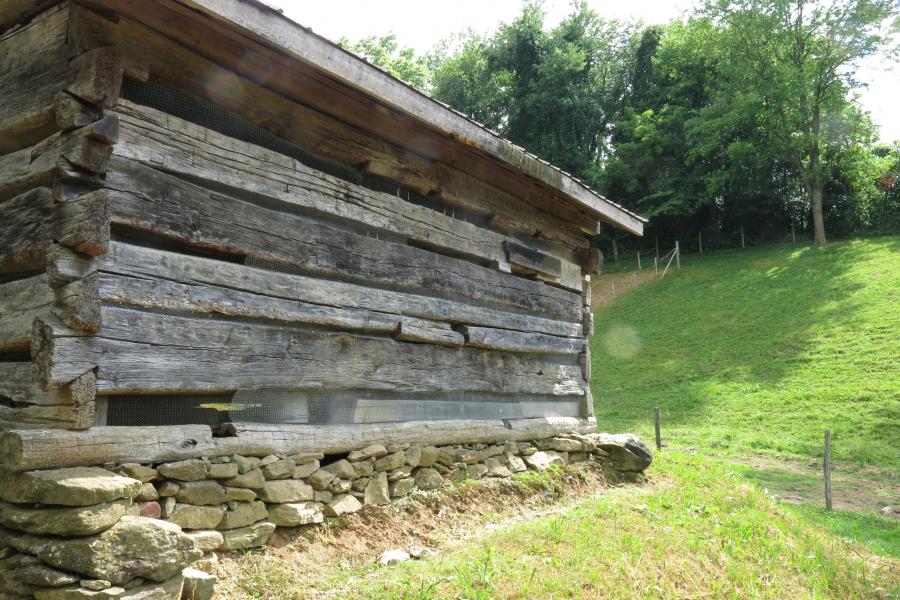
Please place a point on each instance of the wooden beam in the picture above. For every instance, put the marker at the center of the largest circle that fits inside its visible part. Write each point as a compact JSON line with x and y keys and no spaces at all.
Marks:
{"x":530,"y":260}
{"x":515,"y":341}
{"x":168,"y":143}
{"x":24,"y":405}
{"x":32,"y":221}
{"x":157,"y":279}
{"x":44,"y":449}
{"x":147,"y":199}
{"x":139,"y":352}
{"x":273,"y":29}
{"x":427,"y":332}
{"x":266,"y":102}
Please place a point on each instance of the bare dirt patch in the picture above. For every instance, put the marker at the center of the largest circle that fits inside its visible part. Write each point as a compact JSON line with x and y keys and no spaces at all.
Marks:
{"x":857,"y":489}
{"x":607,"y":287}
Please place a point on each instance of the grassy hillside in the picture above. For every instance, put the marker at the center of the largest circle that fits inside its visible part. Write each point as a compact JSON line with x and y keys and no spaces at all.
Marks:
{"x":699,"y":531}
{"x":758,"y":351}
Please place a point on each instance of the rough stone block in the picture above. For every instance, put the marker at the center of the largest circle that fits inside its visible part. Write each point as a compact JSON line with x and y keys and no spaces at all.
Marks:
{"x":377,"y":491}
{"x":280,"y":469}
{"x":305,"y":470}
{"x":223,"y":470}
{"x":342,"y":505}
{"x":372,"y":451}
{"x":251,"y":536}
{"x":391,"y":461}
{"x":201,"y":493}
{"x":65,"y":521}
{"x":285,"y":490}
{"x":342,"y":469}
{"x":252,"y":479}
{"x":189,"y":516}
{"x":198,"y":585}
{"x":428,"y":479}
{"x":295,"y":514}
{"x":245,"y":513}
{"x":206,"y":541}
{"x":76,"y":486}
{"x":192,"y":469}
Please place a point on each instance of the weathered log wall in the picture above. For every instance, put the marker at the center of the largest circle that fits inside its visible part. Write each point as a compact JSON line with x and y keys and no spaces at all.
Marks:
{"x":141,"y":253}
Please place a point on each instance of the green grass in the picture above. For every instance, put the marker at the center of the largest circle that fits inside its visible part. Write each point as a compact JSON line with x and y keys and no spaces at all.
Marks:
{"x":701,"y":531}
{"x":879,"y":535}
{"x":758,"y":351}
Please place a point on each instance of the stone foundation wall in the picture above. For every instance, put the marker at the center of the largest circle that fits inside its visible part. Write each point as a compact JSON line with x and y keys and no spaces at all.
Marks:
{"x":151,"y":531}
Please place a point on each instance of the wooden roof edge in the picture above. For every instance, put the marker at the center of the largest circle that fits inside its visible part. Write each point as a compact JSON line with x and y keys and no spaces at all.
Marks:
{"x":270,"y":26}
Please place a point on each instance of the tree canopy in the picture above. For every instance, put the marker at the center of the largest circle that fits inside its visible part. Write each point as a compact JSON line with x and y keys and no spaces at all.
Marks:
{"x":740,"y":115}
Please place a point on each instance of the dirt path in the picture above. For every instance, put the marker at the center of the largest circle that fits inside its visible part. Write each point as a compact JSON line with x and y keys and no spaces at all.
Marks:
{"x":607,"y":287}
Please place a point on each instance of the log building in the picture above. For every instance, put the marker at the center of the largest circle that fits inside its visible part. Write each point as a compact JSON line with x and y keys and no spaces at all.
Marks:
{"x":220,"y":233}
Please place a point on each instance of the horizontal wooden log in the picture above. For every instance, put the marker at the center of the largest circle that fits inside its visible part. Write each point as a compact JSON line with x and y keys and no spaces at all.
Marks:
{"x":260,"y":439}
{"x":23,"y":404}
{"x":158,"y":279}
{"x":141,"y":197}
{"x":64,"y":265}
{"x":530,"y":260}
{"x":516,"y":341}
{"x":427,"y":332}
{"x":240,"y":91}
{"x":175,"y":145}
{"x":32,"y":221}
{"x":33,"y":70}
{"x":43,"y":449}
{"x":52,"y":160}
{"x":138,"y":352}
{"x":21,"y":302}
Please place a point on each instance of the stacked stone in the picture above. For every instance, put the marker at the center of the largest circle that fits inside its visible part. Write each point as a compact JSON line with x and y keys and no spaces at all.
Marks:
{"x":66,"y":535}
{"x":151,"y":531}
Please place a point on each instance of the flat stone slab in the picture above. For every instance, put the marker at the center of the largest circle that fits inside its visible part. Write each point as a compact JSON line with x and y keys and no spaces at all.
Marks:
{"x":252,"y":536}
{"x":297,"y":513}
{"x":189,"y":516}
{"x":285,"y":490}
{"x":135,"y":547}
{"x":76,"y":486}
{"x":66,"y":521}
{"x":245,"y":513}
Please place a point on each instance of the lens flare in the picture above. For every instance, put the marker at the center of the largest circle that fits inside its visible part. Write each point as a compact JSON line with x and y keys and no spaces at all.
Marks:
{"x":622,"y":341}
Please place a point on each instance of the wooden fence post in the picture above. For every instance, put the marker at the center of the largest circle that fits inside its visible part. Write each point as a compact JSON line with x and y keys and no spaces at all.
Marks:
{"x":656,"y":424}
{"x":656,"y":267}
{"x":657,"y":246}
{"x":639,"y":261}
{"x":634,"y":279}
{"x":742,"y":237}
{"x":700,"y":240}
{"x":793,"y":234}
{"x":613,"y":286}
{"x":677,"y":256}
{"x":827,"y":469}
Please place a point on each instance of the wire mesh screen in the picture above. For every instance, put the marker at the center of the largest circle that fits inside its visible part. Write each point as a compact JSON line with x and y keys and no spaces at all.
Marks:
{"x":322,"y":408}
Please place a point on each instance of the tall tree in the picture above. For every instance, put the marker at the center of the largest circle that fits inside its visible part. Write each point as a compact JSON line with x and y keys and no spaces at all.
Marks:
{"x":798,"y":57}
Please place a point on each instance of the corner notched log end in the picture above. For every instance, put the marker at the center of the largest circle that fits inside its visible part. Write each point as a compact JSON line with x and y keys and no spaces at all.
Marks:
{"x":78,"y":304}
{"x":84,"y":224}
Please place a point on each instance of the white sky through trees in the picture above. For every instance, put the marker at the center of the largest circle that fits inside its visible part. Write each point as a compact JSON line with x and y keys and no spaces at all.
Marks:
{"x":421,"y":23}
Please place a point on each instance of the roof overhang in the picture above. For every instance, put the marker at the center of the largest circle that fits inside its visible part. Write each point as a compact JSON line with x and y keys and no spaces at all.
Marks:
{"x":271,"y":27}
{"x":447,"y":134}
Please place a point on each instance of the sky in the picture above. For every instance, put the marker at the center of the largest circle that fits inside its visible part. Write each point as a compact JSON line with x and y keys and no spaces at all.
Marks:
{"x":421,"y":23}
